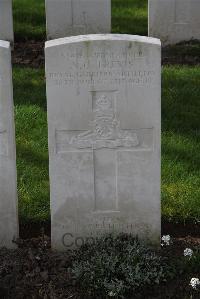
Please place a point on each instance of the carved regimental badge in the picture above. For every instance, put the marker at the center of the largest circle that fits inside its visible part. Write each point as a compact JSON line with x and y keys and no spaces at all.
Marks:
{"x":105,"y":128}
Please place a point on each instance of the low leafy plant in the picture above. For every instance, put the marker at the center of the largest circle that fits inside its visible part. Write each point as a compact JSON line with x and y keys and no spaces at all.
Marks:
{"x":118,"y":266}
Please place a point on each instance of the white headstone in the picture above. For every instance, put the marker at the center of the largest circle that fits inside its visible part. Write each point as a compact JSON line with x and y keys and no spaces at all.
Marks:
{"x":174,"y":21}
{"x":74,"y":17}
{"x":103,"y":97}
{"x":8,"y":182}
{"x":6,"y":21}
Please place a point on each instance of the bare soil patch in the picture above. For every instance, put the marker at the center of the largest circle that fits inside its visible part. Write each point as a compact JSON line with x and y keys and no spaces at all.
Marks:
{"x":31,"y":53}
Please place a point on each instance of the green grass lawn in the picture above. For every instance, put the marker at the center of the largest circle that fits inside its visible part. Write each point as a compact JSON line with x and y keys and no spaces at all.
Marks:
{"x":181,"y":143}
{"x":29,"y":19}
{"x":180,"y":119}
{"x":130,"y":16}
{"x":31,"y":139}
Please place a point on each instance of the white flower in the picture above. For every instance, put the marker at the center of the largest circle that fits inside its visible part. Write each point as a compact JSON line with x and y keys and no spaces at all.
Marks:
{"x":188,"y":252}
{"x":37,"y":258}
{"x":194,"y":282}
{"x":166,"y":240}
{"x":111,"y":294}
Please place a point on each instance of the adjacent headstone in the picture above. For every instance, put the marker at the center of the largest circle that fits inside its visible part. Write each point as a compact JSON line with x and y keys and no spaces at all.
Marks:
{"x":8,"y":182}
{"x":75,"y":17}
{"x":103,"y":97}
{"x":174,"y":21}
{"x":6,"y":21}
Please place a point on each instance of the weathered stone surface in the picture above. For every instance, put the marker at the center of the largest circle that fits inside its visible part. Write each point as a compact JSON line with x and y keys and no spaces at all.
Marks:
{"x":103,"y":97}
{"x":74,"y":17}
{"x":8,"y":188}
{"x":174,"y":21}
{"x":6,"y":21}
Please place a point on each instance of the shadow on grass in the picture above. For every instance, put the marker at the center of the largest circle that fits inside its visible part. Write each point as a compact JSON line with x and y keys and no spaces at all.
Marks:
{"x":181,"y":143}
{"x":29,"y":87}
{"x":180,"y":114}
{"x":130,"y":16}
{"x":180,"y":100}
{"x":33,"y":157}
{"x":29,"y":19}
{"x":183,"y":151}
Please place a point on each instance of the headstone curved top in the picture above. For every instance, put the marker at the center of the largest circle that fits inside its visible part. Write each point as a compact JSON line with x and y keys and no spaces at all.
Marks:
{"x":103,"y":98}
{"x":75,"y":17}
{"x":8,"y":181}
{"x":6,"y":21}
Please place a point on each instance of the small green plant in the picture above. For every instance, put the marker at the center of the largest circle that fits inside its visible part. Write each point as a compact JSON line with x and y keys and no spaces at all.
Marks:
{"x":118,"y":266}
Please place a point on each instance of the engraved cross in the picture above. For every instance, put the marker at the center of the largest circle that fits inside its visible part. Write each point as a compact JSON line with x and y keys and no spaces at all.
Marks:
{"x":81,"y":25}
{"x":105,"y":139}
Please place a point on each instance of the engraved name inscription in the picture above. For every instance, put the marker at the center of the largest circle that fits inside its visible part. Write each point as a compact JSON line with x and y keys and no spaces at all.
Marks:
{"x":113,"y":68}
